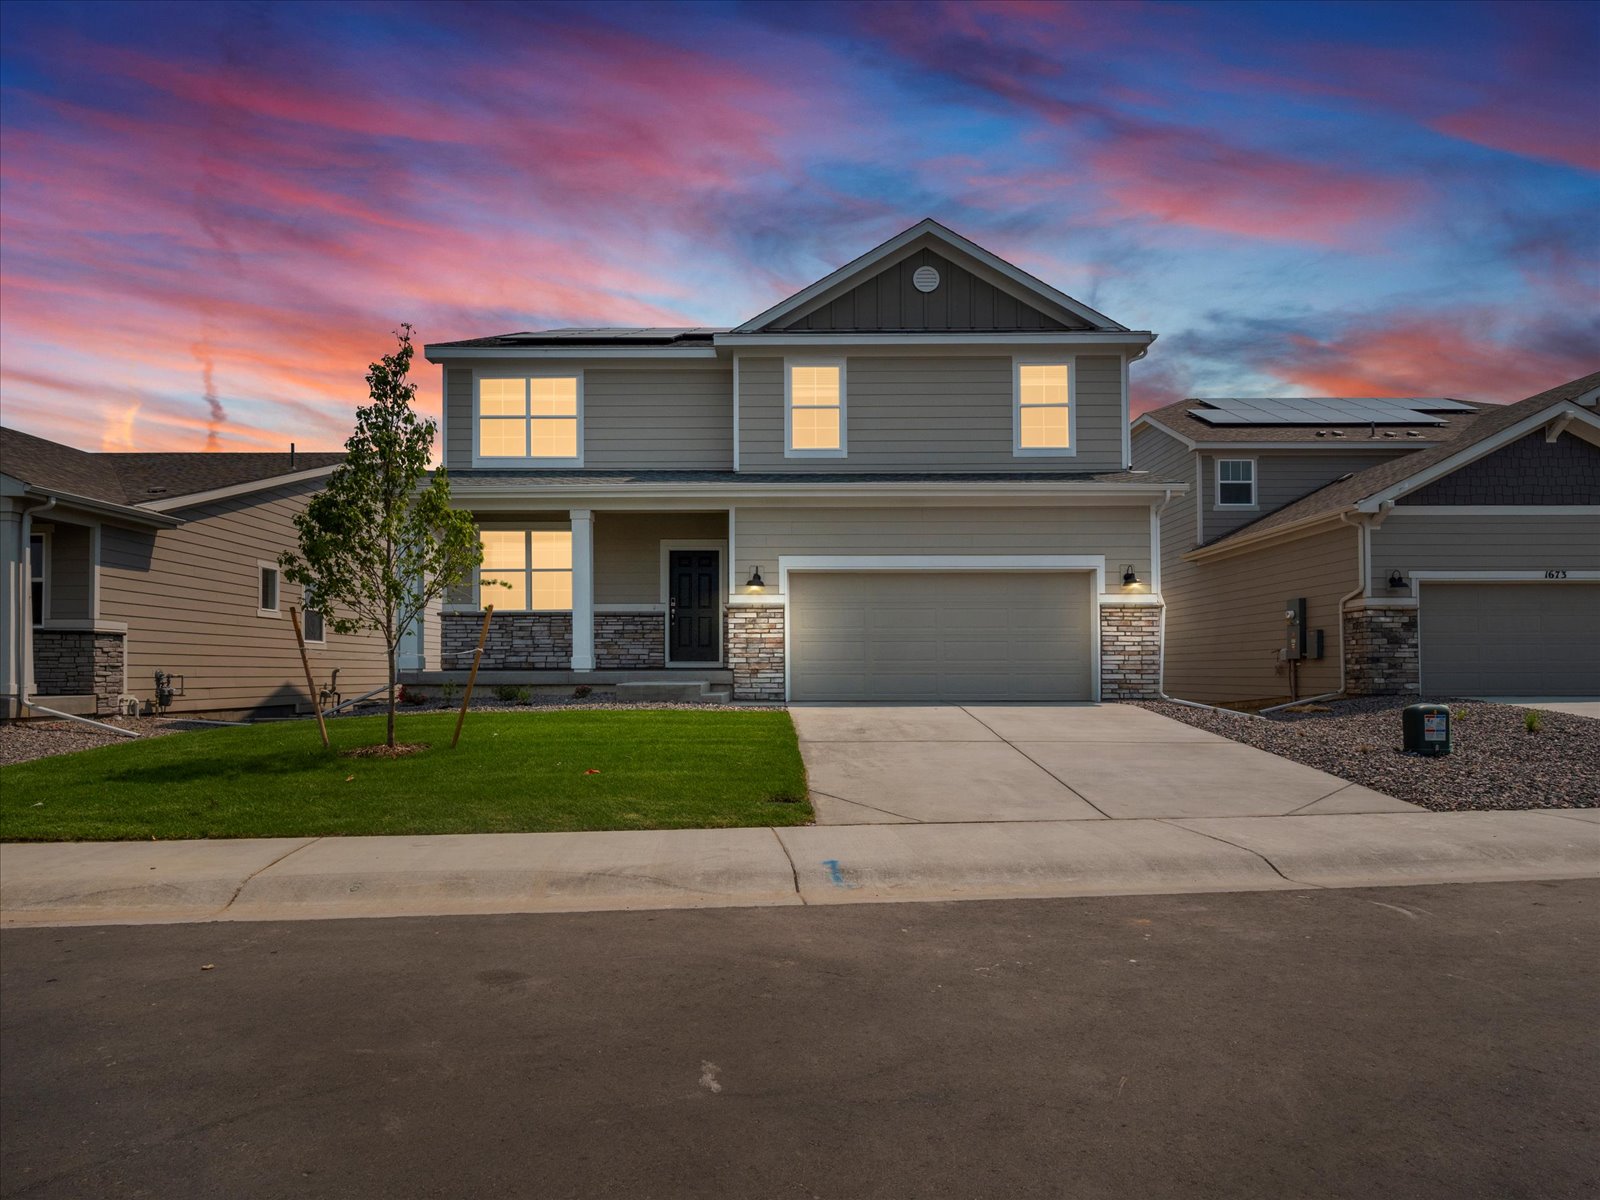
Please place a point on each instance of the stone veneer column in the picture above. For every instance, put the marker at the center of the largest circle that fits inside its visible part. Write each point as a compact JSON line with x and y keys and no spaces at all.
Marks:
{"x":755,"y":651}
{"x":1130,"y":651}
{"x":1380,"y":651}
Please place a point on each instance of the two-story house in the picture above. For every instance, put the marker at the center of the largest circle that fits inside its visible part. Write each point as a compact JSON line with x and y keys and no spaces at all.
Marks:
{"x":1380,"y":546}
{"x":908,"y":481}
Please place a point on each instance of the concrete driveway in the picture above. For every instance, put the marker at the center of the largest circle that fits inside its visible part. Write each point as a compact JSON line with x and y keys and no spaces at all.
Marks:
{"x":893,"y":764}
{"x":1578,"y":706}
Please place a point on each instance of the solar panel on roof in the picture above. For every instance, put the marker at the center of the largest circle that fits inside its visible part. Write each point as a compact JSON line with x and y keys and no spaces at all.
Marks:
{"x":1325,"y":410}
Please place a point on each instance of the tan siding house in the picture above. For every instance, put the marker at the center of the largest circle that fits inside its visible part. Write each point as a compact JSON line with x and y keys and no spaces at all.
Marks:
{"x":1463,"y":558}
{"x":900,"y":483}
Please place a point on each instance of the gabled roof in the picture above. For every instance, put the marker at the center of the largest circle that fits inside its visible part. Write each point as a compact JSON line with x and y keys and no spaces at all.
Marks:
{"x":1369,"y":490}
{"x":880,"y":256}
{"x":600,"y":335}
{"x":150,"y":481}
{"x":1180,"y":421}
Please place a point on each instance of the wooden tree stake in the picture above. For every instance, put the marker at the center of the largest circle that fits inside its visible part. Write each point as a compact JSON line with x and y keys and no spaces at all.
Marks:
{"x":472,"y":676}
{"x":311,"y":685}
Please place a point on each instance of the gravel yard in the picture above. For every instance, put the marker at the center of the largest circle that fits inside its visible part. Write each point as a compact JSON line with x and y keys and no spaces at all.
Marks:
{"x":22,"y":741}
{"x":1496,"y":763}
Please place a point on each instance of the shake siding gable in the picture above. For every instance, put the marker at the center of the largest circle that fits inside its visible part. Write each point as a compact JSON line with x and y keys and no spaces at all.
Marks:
{"x":188,"y":596}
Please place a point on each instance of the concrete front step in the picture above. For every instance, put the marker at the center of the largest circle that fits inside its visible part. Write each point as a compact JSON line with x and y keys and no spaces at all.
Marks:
{"x":677,"y":691}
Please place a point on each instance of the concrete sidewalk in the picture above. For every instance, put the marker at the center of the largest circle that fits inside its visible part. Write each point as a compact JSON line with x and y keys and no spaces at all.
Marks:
{"x":288,"y":878}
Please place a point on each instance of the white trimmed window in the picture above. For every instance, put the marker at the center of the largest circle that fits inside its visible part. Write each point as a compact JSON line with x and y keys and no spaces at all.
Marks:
{"x":1042,"y":417}
{"x":529,"y":419}
{"x":526,"y":570}
{"x":813,"y":409}
{"x":1236,"y":483}
{"x":267,"y":589}
{"x":312,"y":627}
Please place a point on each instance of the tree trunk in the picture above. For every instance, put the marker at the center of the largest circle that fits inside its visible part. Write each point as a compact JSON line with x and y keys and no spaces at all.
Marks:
{"x":392,"y":674}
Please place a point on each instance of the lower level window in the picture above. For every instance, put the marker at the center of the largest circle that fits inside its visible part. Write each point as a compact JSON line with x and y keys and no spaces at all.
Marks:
{"x":267,"y":595}
{"x":37,"y":554}
{"x":526,"y":570}
{"x":315,"y":628}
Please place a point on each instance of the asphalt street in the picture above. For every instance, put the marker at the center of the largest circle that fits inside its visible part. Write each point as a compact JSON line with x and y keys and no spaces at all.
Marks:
{"x":1417,"y":1042}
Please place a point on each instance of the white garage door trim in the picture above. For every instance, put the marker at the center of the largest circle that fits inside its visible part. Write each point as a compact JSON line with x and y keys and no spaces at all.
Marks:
{"x":1554,"y":576}
{"x":1094,"y":563}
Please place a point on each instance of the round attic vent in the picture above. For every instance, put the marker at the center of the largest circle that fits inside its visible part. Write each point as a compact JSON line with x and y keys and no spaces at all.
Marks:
{"x":925,"y":279}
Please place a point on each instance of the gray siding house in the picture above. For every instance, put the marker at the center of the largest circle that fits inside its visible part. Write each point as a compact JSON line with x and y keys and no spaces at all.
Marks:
{"x":117,"y":566}
{"x":908,"y":481}
{"x":1438,"y":548}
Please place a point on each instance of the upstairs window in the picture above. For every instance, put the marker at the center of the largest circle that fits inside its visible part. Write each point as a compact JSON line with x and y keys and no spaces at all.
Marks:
{"x":530,"y":419}
{"x":1236,"y":483}
{"x":526,"y":570}
{"x":1043,"y":417}
{"x":814,"y":409}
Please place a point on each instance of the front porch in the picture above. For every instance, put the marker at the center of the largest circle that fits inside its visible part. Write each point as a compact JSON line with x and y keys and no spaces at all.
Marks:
{"x":591,"y":597}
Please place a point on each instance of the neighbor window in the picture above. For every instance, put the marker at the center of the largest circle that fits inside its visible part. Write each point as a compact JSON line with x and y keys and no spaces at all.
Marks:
{"x":815,"y":408}
{"x":267,"y":597}
{"x":526,"y":570}
{"x":1236,"y":483}
{"x":532,"y":418}
{"x":38,"y":553}
{"x":313,"y":626}
{"x":1043,"y":417}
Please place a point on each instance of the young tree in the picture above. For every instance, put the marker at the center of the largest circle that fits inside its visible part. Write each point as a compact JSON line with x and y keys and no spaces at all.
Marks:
{"x":376,"y":545}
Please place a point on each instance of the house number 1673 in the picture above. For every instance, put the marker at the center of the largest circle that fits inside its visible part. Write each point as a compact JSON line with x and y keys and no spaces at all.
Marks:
{"x":1555,"y":574}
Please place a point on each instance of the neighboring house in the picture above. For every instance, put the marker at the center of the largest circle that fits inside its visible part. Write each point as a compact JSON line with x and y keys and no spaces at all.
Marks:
{"x":1439,"y":547}
{"x":117,"y":566}
{"x":908,"y":481}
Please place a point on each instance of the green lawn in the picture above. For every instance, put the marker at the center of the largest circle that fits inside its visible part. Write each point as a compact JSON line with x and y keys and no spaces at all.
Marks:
{"x":513,"y":772}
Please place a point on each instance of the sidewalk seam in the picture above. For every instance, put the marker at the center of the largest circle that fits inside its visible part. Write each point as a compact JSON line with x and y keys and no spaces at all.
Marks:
{"x":1297,"y":882}
{"x":794,"y":872}
{"x":1007,"y":741}
{"x":1346,"y":786}
{"x":876,"y":808}
{"x":244,"y":883}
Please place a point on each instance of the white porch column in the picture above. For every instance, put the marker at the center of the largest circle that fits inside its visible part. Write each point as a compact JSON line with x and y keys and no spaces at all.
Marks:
{"x":582,"y":589}
{"x":15,"y":626}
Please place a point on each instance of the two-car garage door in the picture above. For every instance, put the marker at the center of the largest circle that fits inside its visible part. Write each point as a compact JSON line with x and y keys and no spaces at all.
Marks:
{"x":963,"y":636}
{"x":1510,"y":639}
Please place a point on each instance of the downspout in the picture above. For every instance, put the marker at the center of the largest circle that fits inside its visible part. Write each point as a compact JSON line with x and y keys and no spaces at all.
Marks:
{"x":1363,"y":588}
{"x":22,"y":646}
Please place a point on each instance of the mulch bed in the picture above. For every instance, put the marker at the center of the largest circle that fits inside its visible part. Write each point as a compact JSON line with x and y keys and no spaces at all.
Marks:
{"x":398,"y":750}
{"x":1496,"y":763}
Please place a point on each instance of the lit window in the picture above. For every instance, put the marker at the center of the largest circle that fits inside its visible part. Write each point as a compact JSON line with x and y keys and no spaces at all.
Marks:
{"x":816,"y":408}
{"x":1236,"y":483}
{"x":267,"y":593}
{"x":37,"y":555}
{"x":526,"y":570}
{"x":529,"y":418}
{"x":1044,"y":408}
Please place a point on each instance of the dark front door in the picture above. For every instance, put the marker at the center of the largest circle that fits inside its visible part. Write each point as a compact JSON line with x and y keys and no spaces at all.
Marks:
{"x":694,"y":617}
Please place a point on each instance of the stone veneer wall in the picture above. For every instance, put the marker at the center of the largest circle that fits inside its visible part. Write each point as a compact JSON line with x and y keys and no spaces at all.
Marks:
{"x":1130,"y":652}
{"x":517,"y":641}
{"x":1380,"y":651}
{"x":630,"y":641}
{"x":80,"y":662}
{"x":755,"y":651}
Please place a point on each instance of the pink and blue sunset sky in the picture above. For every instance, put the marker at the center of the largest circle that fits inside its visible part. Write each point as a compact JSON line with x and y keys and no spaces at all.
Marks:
{"x":213,"y":215}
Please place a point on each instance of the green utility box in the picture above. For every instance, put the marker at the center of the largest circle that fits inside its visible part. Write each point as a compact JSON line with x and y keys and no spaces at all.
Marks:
{"x":1426,"y":728}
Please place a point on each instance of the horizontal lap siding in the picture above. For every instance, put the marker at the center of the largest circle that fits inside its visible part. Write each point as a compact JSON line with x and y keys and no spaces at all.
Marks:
{"x":666,"y":420}
{"x":627,"y":551}
{"x":458,"y":418}
{"x":1281,"y":479}
{"x":1484,"y":542}
{"x":931,"y":413}
{"x":188,"y":596}
{"x":765,"y":534}
{"x":1225,"y":621}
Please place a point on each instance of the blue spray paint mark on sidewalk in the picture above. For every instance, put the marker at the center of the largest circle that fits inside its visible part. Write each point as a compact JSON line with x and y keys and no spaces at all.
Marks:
{"x":835,"y":876}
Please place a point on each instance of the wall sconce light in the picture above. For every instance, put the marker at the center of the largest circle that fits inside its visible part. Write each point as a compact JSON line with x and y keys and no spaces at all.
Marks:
{"x":1129,"y":576}
{"x":755,"y":583}
{"x":1396,"y":580}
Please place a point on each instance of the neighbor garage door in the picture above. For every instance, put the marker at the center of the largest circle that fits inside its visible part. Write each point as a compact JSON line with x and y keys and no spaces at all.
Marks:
{"x":1510,"y":639}
{"x":958,"y":636}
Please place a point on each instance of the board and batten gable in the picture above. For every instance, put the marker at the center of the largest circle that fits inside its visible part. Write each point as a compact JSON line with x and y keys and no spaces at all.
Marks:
{"x":932,"y":412}
{"x":189,"y":599}
{"x":636,"y":416}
